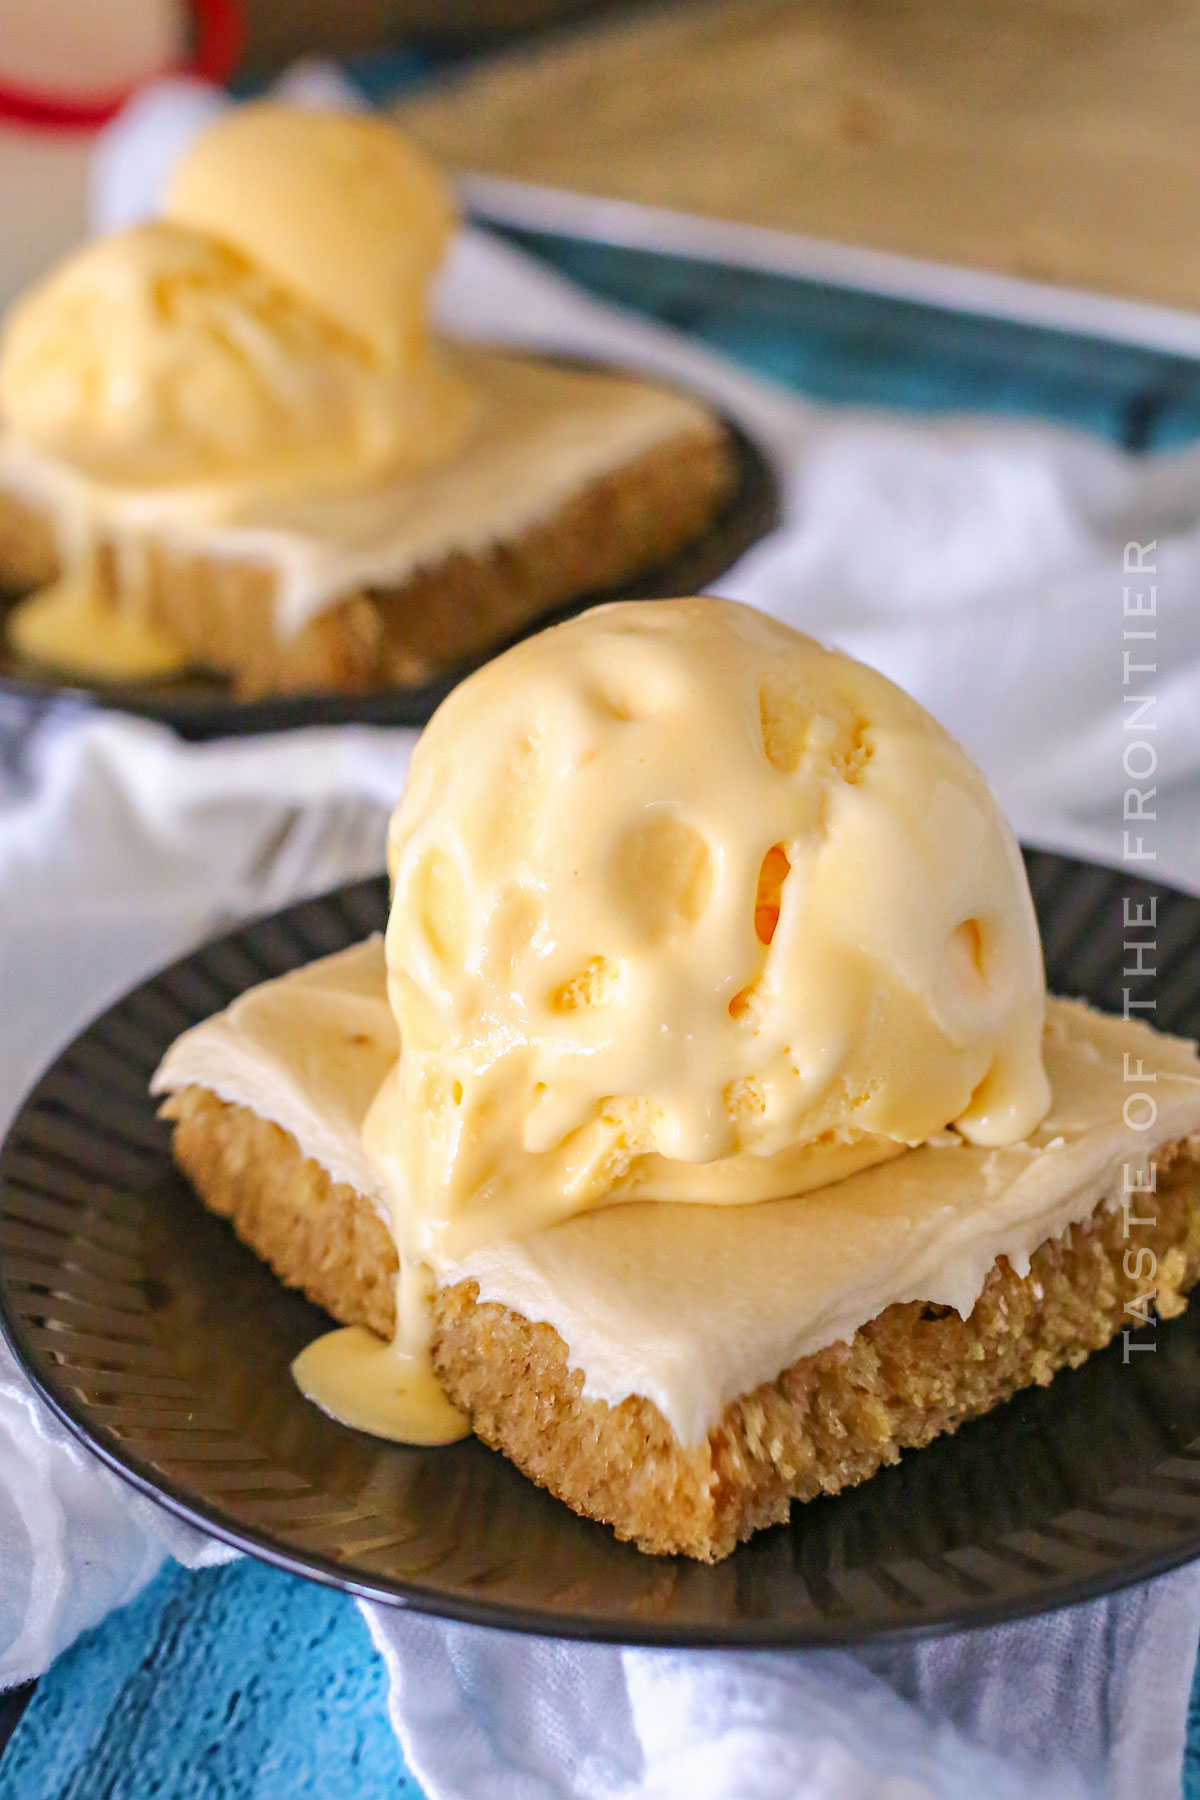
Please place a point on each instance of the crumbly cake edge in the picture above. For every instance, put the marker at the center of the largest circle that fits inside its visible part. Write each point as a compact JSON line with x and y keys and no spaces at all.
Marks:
{"x":222,"y":609}
{"x":827,"y":1422}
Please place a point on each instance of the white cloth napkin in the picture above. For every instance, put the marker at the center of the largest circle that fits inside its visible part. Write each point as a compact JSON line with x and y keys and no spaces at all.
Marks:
{"x":981,"y":565}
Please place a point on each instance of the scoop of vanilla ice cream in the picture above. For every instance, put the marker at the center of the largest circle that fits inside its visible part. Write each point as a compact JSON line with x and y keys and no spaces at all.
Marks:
{"x":338,"y":207}
{"x":160,"y":355}
{"x":687,"y":907}
{"x":272,"y":327}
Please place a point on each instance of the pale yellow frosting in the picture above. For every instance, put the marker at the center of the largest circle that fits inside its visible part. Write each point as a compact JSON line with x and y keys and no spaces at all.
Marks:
{"x":308,"y":1050}
{"x":690,"y":908}
{"x":692,"y":1305}
{"x":534,"y":436}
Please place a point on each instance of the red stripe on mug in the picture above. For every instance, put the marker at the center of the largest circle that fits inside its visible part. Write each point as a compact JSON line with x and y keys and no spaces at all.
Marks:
{"x":219,"y":33}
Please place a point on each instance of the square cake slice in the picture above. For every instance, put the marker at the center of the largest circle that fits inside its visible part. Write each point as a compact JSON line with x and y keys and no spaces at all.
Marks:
{"x":570,"y":482}
{"x":681,"y":1372}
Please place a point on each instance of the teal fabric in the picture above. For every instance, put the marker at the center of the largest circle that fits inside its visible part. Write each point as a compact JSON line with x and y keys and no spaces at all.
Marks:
{"x":863,"y":350}
{"x":1191,"y":1759}
{"x":238,"y":1683}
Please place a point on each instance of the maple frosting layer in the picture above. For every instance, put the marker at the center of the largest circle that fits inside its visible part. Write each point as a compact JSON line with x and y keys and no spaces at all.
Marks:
{"x":537,"y":434}
{"x":307,"y":1051}
{"x":692,"y":1305}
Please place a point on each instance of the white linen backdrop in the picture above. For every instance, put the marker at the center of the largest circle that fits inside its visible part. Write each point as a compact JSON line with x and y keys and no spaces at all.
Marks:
{"x":981,"y":565}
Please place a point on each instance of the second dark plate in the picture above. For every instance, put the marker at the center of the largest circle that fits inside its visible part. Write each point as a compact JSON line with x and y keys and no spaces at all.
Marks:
{"x":202,"y":708}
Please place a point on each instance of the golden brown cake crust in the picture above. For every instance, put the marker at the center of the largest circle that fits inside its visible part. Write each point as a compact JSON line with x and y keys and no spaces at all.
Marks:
{"x":827,"y":1422}
{"x":318,"y":1235}
{"x":28,"y":558}
{"x":222,"y":610}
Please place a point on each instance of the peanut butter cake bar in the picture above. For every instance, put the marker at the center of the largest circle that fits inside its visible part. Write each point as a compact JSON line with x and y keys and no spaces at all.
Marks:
{"x":695,"y":1187}
{"x":230,"y":440}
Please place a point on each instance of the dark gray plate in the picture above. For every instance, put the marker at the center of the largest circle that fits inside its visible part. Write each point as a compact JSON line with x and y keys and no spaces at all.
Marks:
{"x":198,"y":707}
{"x":165,"y":1345}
